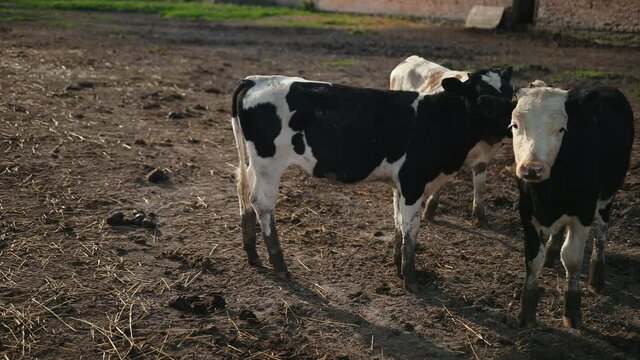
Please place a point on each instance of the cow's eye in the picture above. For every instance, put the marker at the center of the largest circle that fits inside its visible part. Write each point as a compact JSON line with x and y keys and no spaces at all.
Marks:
{"x":562,"y":130}
{"x":513,"y":126}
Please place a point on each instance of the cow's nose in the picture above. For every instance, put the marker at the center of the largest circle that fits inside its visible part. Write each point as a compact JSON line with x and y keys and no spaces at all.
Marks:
{"x":532,"y":171}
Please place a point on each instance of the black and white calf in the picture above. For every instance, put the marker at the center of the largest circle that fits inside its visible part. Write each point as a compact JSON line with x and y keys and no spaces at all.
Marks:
{"x":418,"y":74}
{"x":572,"y":151}
{"x":411,"y":141}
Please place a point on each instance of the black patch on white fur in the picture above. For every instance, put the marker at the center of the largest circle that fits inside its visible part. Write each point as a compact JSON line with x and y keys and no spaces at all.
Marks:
{"x":298,"y":143}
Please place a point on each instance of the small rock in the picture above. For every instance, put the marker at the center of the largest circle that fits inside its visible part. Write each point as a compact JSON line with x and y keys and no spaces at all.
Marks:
{"x":378,"y":233}
{"x":248,"y":316}
{"x":138,"y":218}
{"x":73,"y":87}
{"x":408,"y":327}
{"x":150,"y":106}
{"x":212,"y":90}
{"x":175,"y":115}
{"x":198,"y":304}
{"x":116,"y":218}
{"x":157,"y":176}
{"x":383,"y":290}
{"x":85,"y":84}
{"x":140,"y":142}
{"x":20,"y":109}
{"x":192,"y":140}
{"x":199,"y":107}
{"x":148,"y":223}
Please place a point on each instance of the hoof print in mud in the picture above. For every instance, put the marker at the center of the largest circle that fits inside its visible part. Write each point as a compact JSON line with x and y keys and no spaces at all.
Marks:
{"x":198,"y":304}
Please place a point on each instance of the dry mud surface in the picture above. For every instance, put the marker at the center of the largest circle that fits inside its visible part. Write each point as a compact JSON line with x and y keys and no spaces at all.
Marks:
{"x":84,"y":117}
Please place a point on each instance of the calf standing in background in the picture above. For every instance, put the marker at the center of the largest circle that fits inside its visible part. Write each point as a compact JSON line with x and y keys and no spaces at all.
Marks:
{"x":418,"y":74}
{"x":572,"y":151}
{"x":413,"y":142}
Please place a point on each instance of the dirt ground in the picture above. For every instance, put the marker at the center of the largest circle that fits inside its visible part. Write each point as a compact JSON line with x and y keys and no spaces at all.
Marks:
{"x":84,"y":117}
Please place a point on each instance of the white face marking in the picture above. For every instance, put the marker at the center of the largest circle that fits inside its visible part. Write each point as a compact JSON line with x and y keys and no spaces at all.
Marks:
{"x":538,"y":123}
{"x":492,"y":79}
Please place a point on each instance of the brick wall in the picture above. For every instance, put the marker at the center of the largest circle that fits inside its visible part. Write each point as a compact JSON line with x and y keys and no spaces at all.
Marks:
{"x":455,"y":10}
{"x":609,"y":15}
{"x":616,"y":15}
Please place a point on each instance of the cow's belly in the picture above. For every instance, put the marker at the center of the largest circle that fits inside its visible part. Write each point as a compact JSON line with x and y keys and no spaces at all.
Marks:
{"x":554,"y":227}
{"x":480,"y":153}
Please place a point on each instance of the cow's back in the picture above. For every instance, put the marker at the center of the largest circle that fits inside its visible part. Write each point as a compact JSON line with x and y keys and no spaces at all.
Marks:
{"x":421,"y":75}
{"x":614,"y":131}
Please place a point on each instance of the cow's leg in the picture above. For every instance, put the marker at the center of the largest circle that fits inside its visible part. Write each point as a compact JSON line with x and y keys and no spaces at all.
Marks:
{"x":479,"y":185}
{"x":534,"y":259}
{"x":600,"y":227}
{"x":552,"y":248}
{"x":409,"y":223}
{"x":431,"y":206}
{"x":571,"y":254}
{"x":245,"y":180}
{"x":263,"y":200}
{"x":397,"y":241}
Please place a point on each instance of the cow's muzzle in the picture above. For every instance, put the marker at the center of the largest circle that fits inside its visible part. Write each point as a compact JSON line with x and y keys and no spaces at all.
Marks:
{"x":532,"y":172}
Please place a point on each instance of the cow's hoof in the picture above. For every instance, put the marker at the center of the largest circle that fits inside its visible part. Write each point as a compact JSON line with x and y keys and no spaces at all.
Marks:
{"x":527,"y":321}
{"x":481,"y":222}
{"x":254,"y":261}
{"x":569,"y":322}
{"x":429,"y":213}
{"x":572,"y":317}
{"x":413,"y":287}
{"x":596,"y":276}
{"x":549,"y":261}
{"x":595,"y":289}
{"x":284,"y":275}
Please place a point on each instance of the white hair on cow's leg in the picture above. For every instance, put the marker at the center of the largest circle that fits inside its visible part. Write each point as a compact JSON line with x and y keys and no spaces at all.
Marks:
{"x":600,"y":229}
{"x":479,"y":185}
{"x":573,"y":249}
{"x":410,"y":223}
{"x":397,"y":238}
{"x":572,"y":253}
{"x":536,"y":267}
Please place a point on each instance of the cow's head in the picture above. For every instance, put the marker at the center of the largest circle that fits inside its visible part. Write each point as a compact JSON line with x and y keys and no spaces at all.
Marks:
{"x":538,"y":123}
{"x":488,"y":94}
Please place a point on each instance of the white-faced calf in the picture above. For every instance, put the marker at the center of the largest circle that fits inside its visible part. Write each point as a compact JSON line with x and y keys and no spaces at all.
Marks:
{"x":418,"y":74}
{"x":413,"y":142}
{"x":572,"y":151}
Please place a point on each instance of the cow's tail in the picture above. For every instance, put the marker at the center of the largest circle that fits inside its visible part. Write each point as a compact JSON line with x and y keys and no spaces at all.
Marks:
{"x":242,"y":176}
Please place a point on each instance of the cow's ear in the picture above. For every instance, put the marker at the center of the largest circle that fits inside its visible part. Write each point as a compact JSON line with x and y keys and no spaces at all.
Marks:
{"x":454,"y":86}
{"x":505,"y":74}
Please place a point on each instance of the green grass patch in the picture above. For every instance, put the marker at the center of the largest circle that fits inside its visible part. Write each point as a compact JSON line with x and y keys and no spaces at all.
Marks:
{"x":344,"y":63}
{"x":582,"y":75}
{"x":169,"y":9}
{"x":13,"y":15}
{"x":272,"y":15}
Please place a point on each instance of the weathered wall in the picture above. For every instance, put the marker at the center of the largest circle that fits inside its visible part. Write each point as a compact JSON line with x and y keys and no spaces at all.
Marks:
{"x":456,"y":10}
{"x":617,"y":15}
{"x":610,"y":15}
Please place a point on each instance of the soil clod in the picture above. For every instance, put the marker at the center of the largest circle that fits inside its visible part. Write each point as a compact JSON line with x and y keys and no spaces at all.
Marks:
{"x":157,"y":176}
{"x":198,"y":304}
